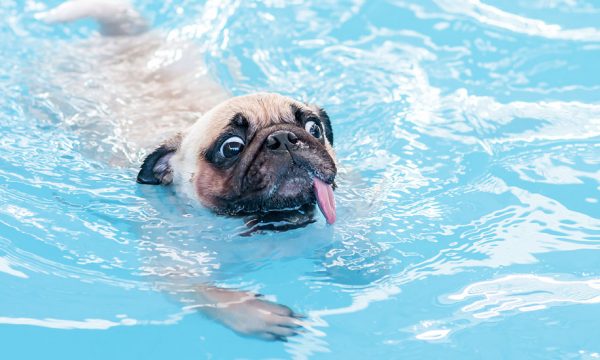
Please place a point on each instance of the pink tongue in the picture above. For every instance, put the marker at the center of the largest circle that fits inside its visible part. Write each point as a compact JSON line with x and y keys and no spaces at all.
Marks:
{"x":325,"y":200}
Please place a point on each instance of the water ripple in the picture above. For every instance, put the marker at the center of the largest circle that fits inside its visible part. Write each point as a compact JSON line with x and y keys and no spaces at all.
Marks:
{"x":467,"y":135}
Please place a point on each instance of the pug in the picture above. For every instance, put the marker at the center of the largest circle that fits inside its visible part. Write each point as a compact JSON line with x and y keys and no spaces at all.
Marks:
{"x":256,"y":154}
{"x":251,"y":154}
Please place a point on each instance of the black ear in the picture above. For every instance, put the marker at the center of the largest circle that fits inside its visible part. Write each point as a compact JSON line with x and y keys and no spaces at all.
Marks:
{"x":327,"y":123}
{"x":156,"y":169}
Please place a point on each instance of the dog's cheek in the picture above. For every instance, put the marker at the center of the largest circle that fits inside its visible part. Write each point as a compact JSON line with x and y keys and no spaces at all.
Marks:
{"x":210,"y":185}
{"x":330,"y":151}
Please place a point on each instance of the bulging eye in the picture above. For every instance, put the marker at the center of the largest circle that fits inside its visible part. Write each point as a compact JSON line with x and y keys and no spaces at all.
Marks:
{"x":314,"y":129}
{"x":233,"y":146}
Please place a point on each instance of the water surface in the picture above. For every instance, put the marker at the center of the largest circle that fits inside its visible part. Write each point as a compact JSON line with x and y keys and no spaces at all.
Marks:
{"x":468,"y":216}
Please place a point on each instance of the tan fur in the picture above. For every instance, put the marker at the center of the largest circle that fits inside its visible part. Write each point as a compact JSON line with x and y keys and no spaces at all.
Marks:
{"x":261,"y":110}
{"x":151,"y":87}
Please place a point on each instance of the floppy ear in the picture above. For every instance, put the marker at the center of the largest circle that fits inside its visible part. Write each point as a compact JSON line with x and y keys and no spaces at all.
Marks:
{"x":325,"y":120}
{"x":327,"y":123}
{"x":156,"y":169}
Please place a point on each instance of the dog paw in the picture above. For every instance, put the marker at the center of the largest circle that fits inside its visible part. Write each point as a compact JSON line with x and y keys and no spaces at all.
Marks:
{"x":250,"y":314}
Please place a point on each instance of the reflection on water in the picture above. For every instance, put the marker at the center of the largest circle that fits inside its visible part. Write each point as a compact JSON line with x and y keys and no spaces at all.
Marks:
{"x":507,"y":296}
{"x":526,"y":293}
{"x":467,"y":135}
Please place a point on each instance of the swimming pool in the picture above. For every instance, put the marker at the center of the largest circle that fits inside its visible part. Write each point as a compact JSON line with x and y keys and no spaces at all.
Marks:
{"x":468,"y":217}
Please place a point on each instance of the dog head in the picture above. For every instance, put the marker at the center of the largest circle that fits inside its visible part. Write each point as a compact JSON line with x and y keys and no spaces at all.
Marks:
{"x":254,"y":153}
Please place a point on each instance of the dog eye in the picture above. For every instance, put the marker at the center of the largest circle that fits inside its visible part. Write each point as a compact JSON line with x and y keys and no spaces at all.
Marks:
{"x":313,"y":129}
{"x":233,"y":146}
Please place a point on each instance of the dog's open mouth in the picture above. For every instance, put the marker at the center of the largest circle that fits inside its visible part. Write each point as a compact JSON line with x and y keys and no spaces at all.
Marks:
{"x":323,"y":194}
{"x":300,"y":182}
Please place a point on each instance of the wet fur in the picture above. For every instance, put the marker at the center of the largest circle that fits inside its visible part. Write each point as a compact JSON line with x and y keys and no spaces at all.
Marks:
{"x":182,"y":160}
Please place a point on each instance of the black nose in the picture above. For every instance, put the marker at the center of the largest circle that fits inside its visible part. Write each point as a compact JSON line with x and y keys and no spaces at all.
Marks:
{"x":280,"y":140}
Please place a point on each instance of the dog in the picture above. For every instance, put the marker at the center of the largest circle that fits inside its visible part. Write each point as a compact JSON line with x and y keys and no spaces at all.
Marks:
{"x":254,"y":153}
{"x":250,"y":155}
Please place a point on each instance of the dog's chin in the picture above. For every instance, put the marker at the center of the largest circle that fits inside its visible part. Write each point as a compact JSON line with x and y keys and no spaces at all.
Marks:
{"x":289,"y":193}
{"x":293,"y":188}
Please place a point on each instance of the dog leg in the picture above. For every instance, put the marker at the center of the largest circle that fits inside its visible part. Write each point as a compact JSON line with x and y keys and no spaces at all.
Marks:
{"x":116,"y":18}
{"x":244,"y":312}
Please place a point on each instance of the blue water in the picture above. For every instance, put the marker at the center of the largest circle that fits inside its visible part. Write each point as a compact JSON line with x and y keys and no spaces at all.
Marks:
{"x":468,"y":138}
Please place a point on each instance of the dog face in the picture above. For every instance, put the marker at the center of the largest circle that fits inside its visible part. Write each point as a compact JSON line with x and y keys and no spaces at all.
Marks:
{"x":253,"y":153}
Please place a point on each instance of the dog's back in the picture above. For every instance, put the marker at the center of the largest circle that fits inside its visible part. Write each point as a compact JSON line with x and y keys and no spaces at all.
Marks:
{"x":138,"y":88}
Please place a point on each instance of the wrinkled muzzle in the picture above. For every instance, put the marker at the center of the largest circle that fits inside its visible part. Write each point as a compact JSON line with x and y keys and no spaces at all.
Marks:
{"x":285,"y":167}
